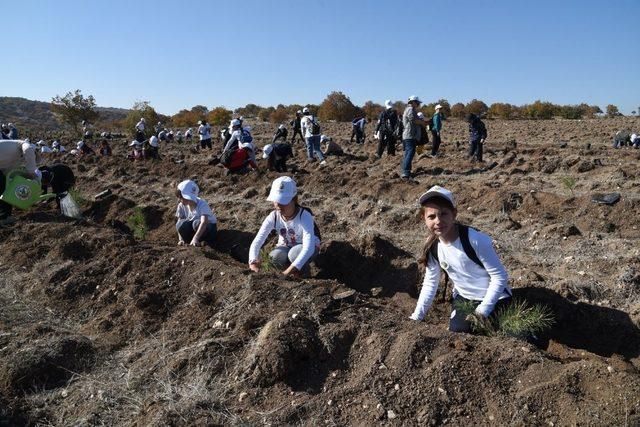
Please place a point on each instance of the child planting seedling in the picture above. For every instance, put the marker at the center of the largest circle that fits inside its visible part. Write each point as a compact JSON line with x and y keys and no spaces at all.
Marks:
{"x":196,"y":222}
{"x":469,"y":260}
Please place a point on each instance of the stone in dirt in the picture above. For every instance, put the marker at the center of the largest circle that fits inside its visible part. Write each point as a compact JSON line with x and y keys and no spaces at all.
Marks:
{"x":606,"y":199}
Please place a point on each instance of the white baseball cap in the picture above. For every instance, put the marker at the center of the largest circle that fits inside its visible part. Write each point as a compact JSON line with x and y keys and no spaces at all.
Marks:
{"x":283,"y":190}
{"x":305,"y":110}
{"x":80,"y":144}
{"x":235,"y":122}
{"x":324,"y":138}
{"x":134,"y":143}
{"x":388,"y":104}
{"x":415,"y":98}
{"x":55,"y":144}
{"x":142,"y":119}
{"x":266,"y":151}
{"x":199,"y":122}
{"x":437,"y":191}
{"x":281,"y":127}
{"x":438,"y":106}
{"x":189,"y":190}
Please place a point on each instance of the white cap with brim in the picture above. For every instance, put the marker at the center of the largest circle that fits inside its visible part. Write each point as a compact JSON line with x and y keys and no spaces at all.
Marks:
{"x":437,"y":191}
{"x":134,"y":143}
{"x":324,"y":138}
{"x":266,"y":151}
{"x":388,"y":104}
{"x":438,"y":107}
{"x":283,"y":190}
{"x":189,"y":190}
{"x":305,"y":110}
{"x":235,"y":122}
{"x":414,"y":98}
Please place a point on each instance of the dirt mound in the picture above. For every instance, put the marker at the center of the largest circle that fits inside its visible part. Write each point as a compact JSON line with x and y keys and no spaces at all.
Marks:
{"x":100,"y":324}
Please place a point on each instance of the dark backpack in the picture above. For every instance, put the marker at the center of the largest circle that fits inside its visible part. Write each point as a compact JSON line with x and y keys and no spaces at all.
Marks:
{"x":315,"y":127}
{"x":386,"y":127}
{"x":225,"y":157}
{"x":245,"y":136}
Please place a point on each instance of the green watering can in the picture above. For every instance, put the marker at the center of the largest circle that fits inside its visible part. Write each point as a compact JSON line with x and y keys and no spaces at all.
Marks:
{"x":22,"y":192}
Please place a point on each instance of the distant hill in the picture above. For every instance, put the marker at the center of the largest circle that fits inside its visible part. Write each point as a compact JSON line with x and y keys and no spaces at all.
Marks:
{"x":37,"y":115}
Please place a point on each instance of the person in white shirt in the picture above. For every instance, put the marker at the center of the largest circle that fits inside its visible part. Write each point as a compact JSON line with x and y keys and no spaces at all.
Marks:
{"x":188,"y":134}
{"x":466,"y":255}
{"x":311,"y":132}
{"x":204,"y":130}
{"x":140,"y":126}
{"x":197,"y":223}
{"x":57,"y":148}
{"x":298,"y":237}
{"x":153,"y":148}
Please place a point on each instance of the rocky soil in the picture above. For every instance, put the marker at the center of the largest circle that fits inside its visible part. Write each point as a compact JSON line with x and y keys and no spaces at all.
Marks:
{"x":98,"y":326}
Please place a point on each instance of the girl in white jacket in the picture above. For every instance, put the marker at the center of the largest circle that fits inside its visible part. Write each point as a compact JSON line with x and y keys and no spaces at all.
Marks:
{"x":466,"y":255}
{"x":298,"y":239}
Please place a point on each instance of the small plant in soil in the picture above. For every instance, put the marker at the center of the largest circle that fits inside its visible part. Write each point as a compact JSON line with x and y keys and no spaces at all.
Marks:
{"x":138,"y":223}
{"x":518,"y":319}
{"x":569,"y":182}
{"x":266,"y":263}
{"x":78,"y":197}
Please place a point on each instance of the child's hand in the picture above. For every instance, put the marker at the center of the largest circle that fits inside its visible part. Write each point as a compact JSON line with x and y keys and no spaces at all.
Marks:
{"x":255,"y":266}
{"x":291,"y":271}
{"x":180,"y":242}
{"x":195,"y":242}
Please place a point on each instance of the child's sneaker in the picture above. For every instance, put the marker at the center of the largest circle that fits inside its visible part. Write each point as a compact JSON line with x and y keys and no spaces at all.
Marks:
{"x":323,"y":163}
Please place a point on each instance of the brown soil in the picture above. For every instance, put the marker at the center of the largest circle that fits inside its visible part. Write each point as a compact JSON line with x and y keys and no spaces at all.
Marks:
{"x":98,"y":327}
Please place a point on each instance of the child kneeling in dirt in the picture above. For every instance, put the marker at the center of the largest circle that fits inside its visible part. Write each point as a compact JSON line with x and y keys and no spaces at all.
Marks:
{"x":298,"y":238}
{"x":467,"y":257}
{"x":196,"y":222}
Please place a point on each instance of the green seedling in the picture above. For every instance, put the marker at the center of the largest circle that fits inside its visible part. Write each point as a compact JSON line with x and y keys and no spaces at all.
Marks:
{"x":138,"y":223}
{"x":569,"y":182}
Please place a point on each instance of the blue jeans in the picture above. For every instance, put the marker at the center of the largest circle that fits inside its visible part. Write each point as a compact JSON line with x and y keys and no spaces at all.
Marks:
{"x":409,"y":146}
{"x":313,"y":147}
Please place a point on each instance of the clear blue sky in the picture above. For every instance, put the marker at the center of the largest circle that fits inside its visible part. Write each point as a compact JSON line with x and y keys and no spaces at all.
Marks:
{"x":177,"y":54}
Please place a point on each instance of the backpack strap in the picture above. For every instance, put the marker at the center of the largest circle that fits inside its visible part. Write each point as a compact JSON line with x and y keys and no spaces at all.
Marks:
{"x":463,"y":230}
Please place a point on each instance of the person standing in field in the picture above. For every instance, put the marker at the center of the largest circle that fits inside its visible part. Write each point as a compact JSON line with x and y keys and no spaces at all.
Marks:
{"x":436,"y":128}
{"x":477,"y":136}
{"x":296,"y":127}
{"x":387,"y":128}
{"x":411,"y":134}
{"x":311,"y":130}
{"x":204,"y":131}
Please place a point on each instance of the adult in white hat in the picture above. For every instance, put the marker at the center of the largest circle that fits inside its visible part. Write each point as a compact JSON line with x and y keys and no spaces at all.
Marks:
{"x":298,"y":235}
{"x":411,"y":133}
{"x":387,"y":129}
{"x":197,"y":224}
{"x":467,"y":256}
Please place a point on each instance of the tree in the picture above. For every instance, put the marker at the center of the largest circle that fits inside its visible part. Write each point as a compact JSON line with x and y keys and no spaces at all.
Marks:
{"x":337,"y":106}
{"x":219,"y":116}
{"x":458,"y":111}
{"x":539,"y":110}
{"x":371,"y":110}
{"x":476,"y":107}
{"x":141,"y":109}
{"x":249,"y":110}
{"x":265,"y":113}
{"x":502,"y":111}
{"x":612,"y":111}
{"x":280,"y":115}
{"x":73,"y":108}
{"x":399,"y":106}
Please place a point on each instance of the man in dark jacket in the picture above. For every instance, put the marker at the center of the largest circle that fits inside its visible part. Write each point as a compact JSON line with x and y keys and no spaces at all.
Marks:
{"x":387,"y":129}
{"x":477,"y":136}
{"x":296,"y":127}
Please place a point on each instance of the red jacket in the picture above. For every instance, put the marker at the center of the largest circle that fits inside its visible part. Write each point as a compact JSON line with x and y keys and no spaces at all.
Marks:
{"x":240,"y":158}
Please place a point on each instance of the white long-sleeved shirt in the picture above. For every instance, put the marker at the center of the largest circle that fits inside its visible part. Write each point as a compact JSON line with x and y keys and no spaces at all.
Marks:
{"x":205,"y":132}
{"x":297,"y":231}
{"x":140,"y":126}
{"x":15,"y":153}
{"x":469,"y":280}
{"x":307,"y":124}
{"x":235,"y":139}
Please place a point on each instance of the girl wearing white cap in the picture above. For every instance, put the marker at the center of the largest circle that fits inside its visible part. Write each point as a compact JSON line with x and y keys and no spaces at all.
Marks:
{"x":298,"y":237}
{"x":196,"y":222}
{"x":468,"y":258}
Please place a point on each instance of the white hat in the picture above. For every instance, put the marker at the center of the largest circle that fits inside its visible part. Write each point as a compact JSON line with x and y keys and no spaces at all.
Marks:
{"x":55,"y":144}
{"x":189,"y":190}
{"x":159,"y":123}
{"x":134,"y":143}
{"x":438,"y":106}
{"x":266,"y":151}
{"x":388,"y":104}
{"x":415,"y":98}
{"x":283,"y":190}
{"x":40,"y":142}
{"x":305,"y":110}
{"x":80,"y":144}
{"x":281,"y":127}
{"x":142,"y":119}
{"x":235,"y":122}
{"x":420,"y":115}
{"x":199,"y":122}
{"x":437,"y":191}
{"x":324,"y":138}
{"x":246,"y":145}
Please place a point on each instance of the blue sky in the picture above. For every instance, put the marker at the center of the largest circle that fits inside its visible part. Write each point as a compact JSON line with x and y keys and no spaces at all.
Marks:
{"x":177,"y":54}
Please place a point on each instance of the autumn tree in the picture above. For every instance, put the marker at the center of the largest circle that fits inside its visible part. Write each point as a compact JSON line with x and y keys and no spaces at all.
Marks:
{"x":141,"y":109}
{"x":280,"y":115}
{"x":476,"y":107}
{"x":612,"y":111}
{"x":219,"y":116}
{"x":501,"y":110}
{"x":249,"y":110}
{"x":73,"y":108}
{"x":458,"y":111}
{"x":337,"y":106}
{"x":371,"y":110}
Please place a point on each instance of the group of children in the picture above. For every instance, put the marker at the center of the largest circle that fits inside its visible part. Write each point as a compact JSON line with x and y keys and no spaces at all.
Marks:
{"x":466,"y":255}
